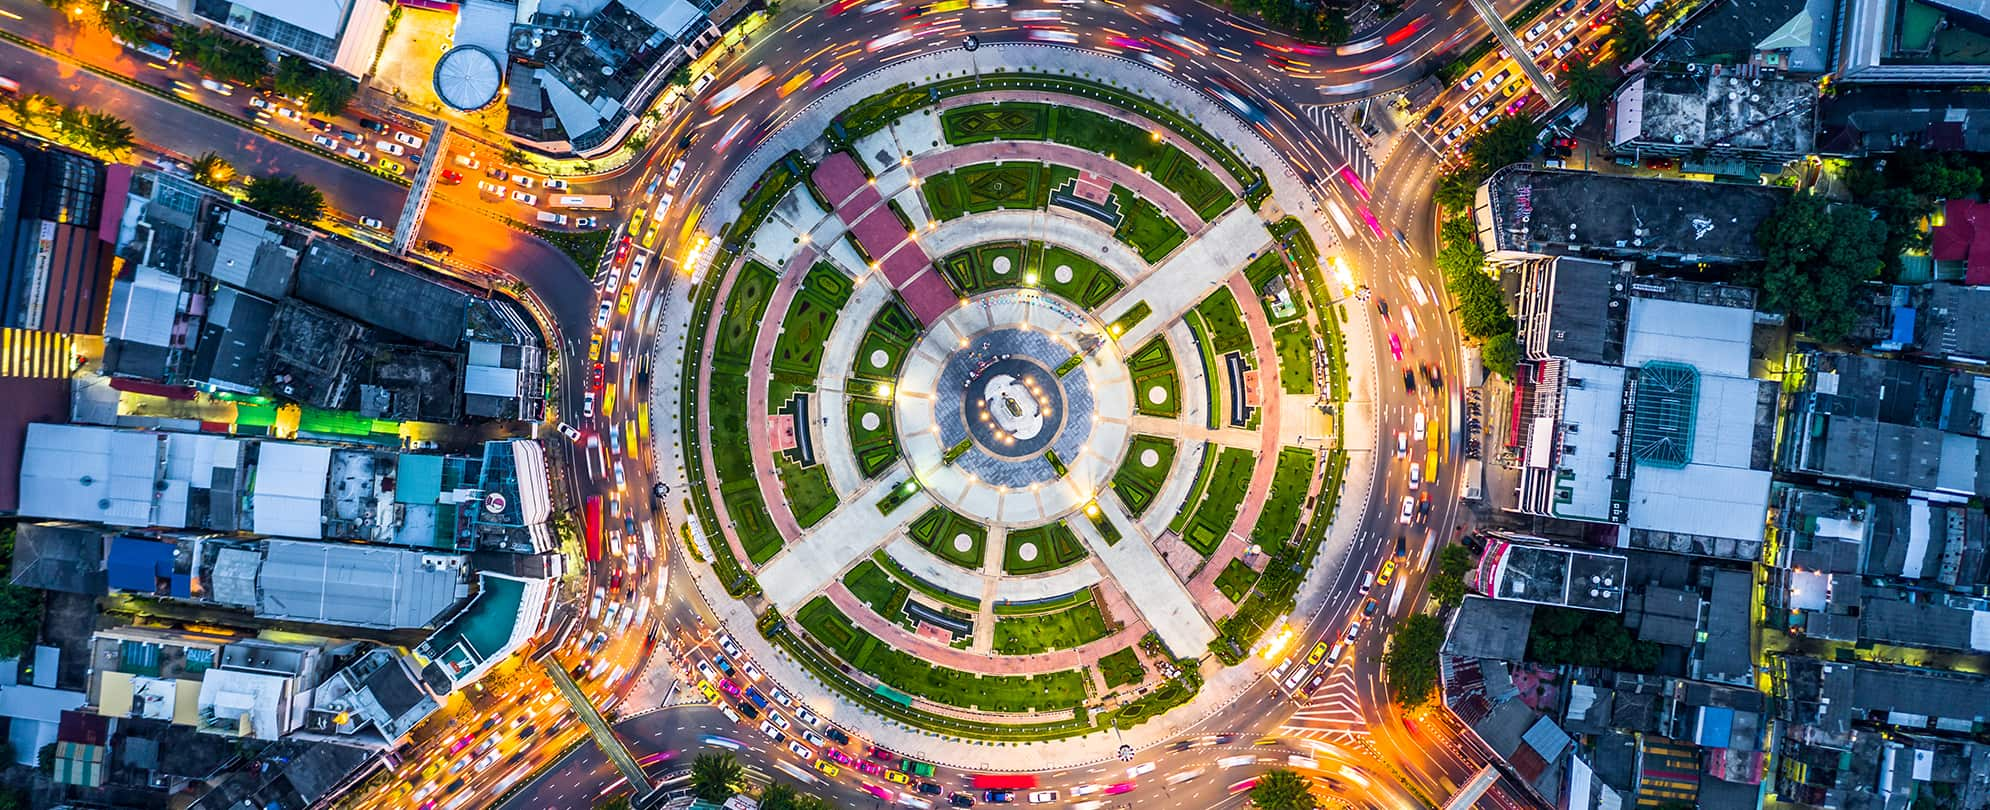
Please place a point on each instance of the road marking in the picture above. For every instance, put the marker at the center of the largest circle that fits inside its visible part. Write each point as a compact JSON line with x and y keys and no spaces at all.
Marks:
{"x":1344,"y":139}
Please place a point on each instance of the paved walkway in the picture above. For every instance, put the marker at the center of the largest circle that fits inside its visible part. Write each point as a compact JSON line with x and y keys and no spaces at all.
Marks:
{"x":1060,"y":155}
{"x":899,"y":638}
{"x":704,"y":402}
{"x":1076,"y":233}
{"x":840,"y":352}
{"x":849,"y":534}
{"x":1191,"y":274}
{"x":1062,"y":100}
{"x":1153,"y":590}
{"x":758,"y":376}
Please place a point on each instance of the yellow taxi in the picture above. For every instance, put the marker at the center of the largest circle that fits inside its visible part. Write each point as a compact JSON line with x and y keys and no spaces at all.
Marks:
{"x":1319,"y":652}
{"x":594,"y":349}
{"x":628,"y":297}
{"x":635,"y":219}
{"x":827,"y":768}
{"x":649,"y":236}
{"x":1388,"y":570}
{"x":711,"y":695}
{"x":898,"y":777}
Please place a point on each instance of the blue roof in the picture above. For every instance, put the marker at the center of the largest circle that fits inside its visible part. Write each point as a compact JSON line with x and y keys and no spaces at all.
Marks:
{"x":1716,"y":723}
{"x":418,"y":479}
{"x":1903,"y":326}
{"x":136,"y":564}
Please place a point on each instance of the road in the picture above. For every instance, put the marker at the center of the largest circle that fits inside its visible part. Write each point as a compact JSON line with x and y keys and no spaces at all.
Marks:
{"x":1282,"y":89}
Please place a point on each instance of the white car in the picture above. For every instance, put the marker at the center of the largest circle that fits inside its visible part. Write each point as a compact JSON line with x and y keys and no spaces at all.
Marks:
{"x":778,"y":720}
{"x":1475,"y":99}
{"x":1564,"y":48}
{"x":569,"y":431}
{"x":1538,"y":29}
{"x":325,"y":141}
{"x":1409,"y":508}
{"x":1416,"y":473}
{"x":490,"y":188}
{"x":488,"y":760}
{"x":1419,"y":425}
{"x":813,"y":738}
{"x":780,"y":697}
{"x":801,"y":750}
{"x":588,"y":222}
{"x":587,"y":404}
{"x":1402,"y":444}
{"x":771,"y":732}
{"x":1043,"y":797}
{"x":751,"y":671}
{"x":676,"y":172}
{"x":1473,"y":79}
{"x":524,"y":197}
{"x":286,"y":112}
{"x":725,"y":641}
{"x":217,"y":87}
{"x":410,"y":139}
{"x":808,"y":717}
{"x":359,"y":154}
{"x":1568,"y":27}
{"x":524,"y":181}
{"x":372,"y":223}
{"x":390,"y":147}
{"x":556,"y":184}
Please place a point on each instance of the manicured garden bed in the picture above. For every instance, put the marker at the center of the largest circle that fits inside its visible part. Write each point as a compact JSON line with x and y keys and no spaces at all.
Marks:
{"x":1006,"y":265}
{"x":1153,"y":367}
{"x":805,"y":330}
{"x":1236,"y":580}
{"x":750,"y":520}
{"x":931,"y":591}
{"x":1043,"y":632}
{"x":1295,"y":358}
{"x":1137,"y":482}
{"x":885,"y":343}
{"x":1280,"y":515}
{"x":872,"y":586}
{"x":1229,"y":482}
{"x":940,"y":531}
{"x":875,"y":447}
{"x":1054,"y":547}
{"x":984,"y":187}
{"x":1091,"y":131}
{"x":1227,"y":332}
{"x":808,"y":491}
{"x":1143,"y":227}
{"x":909,"y":674}
{"x":1122,"y":668}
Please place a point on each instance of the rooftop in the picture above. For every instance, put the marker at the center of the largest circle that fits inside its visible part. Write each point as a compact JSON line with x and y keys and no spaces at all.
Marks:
{"x":381,"y":296}
{"x":1963,"y":238}
{"x":505,"y":615}
{"x":1890,"y":422}
{"x":1550,"y":575}
{"x":1726,"y":656}
{"x":1576,"y":309}
{"x":360,"y":586}
{"x":1857,"y":120}
{"x":1523,"y":210}
{"x":1744,"y":109}
{"x":1489,"y":628}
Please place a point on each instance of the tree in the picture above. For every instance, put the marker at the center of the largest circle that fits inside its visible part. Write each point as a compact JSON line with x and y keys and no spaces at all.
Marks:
{"x":282,"y":195}
{"x":779,"y":796}
{"x":1586,"y":83}
{"x":124,"y":22}
{"x":20,"y":608}
{"x":34,"y":109}
{"x":219,"y":55}
{"x":1587,"y":639}
{"x":1447,"y":592}
{"x":1501,"y":354}
{"x":1456,"y":190}
{"x":324,"y":92}
{"x":1283,"y":789}
{"x":1447,"y":587}
{"x":1630,"y":37}
{"x":13,"y":799}
{"x":1411,"y":662}
{"x":1502,"y":144}
{"x":213,"y":171}
{"x":714,"y":777}
{"x":1816,"y":255}
{"x":107,"y":134}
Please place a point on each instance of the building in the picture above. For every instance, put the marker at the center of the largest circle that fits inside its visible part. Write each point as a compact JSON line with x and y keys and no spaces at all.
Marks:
{"x":1784,"y":35}
{"x":1526,"y":569}
{"x":55,"y":260}
{"x":1864,"y":119}
{"x":1731,"y":120}
{"x":1524,"y":212}
{"x":1929,"y":43}
{"x":339,"y":34}
{"x":581,"y":82}
{"x":1637,"y":409}
{"x":505,"y":615}
{"x":1889,"y":424}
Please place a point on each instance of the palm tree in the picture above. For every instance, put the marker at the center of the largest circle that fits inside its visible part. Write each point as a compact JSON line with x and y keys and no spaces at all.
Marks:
{"x":124,"y":22}
{"x":33,"y":109}
{"x":107,"y":134}
{"x":1283,"y":789}
{"x":714,"y":777}
{"x":67,"y":124}
{"x":1586,"y":84}
{"x":213,"y":170}
{"x":285,"y":196}
{"x":778,"y":796}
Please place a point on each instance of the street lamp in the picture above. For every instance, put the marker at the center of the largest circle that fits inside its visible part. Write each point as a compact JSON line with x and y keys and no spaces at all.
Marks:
{"x":971,"y":43}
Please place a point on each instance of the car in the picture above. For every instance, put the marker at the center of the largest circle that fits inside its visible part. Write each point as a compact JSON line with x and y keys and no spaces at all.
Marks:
{"x":359,"y":154}
{"x":839,"y":756}
{"x":1402,"y":546}
{"x":555,"y":184}
{"x":676,"y":173}
{"x":1409,"y":381}
{"x":1368,"y":607}
{"x":1388,"y":570}
{"x":961,"y":800}
{"x":779,"y":720}
{"x":780,"y":697}
{"x":523,"y":180}
{"x":1353,"y":632}
{"x":318,"y":124}
{"x":931,"y":789}
{"x":588,"y":222}
{"x":602,"y":315}
{"x":747,"y":709}
{"x":1537,"y":31}
{"x":808,"y":717}
{"x":998,"y":796}
{"x":731,"y":647}
{"x":1569,"y":27}
{"x":1402,"y":444}
{"x":1409,"y":508}
{"x":587,"y":404}
{"x":800,"y":750}
{"x":1421,"y":424}
{"x":751,"y":671}
{"x":837,"y":734}
{"x":410,"y":139}
{"x":390,"y":147}
{"x":528,"y":199}
{"x":1538,"y":49}
{"x":1475,"y":99}
{"x":1564,"y":48}
{"x":870,"y":767}
{"x":493,"y":189}
{"x":772,"y":733}
{"x":595,"y":644}
{"x":497,"y":173}
{"x":1043,"y":797}
{"x":449,"y":177}
{"x":569,"y":431}
{"x":813,"y":738}
{"x":325,"y":141}
{"x":827,"y":768}
{"x":1455,"y":133}
{"x":1473,"y":79}
{"x":372,"y":223}
{"x":1396,"y":347}
{"x":892,"y":775}
{"x":615,"y":356}
{"x":391,"y":166}
{"x":469,"y":162}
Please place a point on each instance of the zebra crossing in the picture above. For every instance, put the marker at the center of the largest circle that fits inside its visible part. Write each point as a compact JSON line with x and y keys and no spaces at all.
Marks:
{"x":1332,"y":713}
{"x":34,"y":354}
{"x":1347,"y":142}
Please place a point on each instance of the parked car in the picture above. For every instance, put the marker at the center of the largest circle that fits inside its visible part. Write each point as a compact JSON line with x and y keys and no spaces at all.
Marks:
{"x":390,"y":147}
{"x":410,"y":139}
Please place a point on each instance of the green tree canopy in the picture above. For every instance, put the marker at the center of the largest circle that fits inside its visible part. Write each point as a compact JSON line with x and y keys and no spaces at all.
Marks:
{"x":282,"y":195}
{"x":20,"y":608}
{"x":1816,"y":255}
{"x":715,"y":777}
{"x":1501,"y":354}
{"x":324,"y":92}
{"x":1587,"y":639}
{"x":1586,"y":84}
{"x":1629,"y":37}
{"x":1283,"y":789}
{"x":1411,"y":662}
{"x":220,"y":55}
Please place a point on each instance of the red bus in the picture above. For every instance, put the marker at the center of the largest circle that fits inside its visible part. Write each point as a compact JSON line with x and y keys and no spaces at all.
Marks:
{"x":593,"y":529}
{"x":1005,"y":781}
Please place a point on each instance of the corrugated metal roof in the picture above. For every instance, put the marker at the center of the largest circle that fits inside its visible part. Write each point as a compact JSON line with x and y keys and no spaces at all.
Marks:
{"x":289,"y":496}
{"x":361,"y":586}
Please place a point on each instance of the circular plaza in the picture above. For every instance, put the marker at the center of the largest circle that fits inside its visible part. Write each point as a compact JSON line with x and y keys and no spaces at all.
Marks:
{"x":1012,"y":401}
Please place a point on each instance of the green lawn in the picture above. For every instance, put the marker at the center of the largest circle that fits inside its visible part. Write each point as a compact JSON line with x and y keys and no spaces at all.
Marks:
{"x":746,"y":307}
{"x":1094,"y":132}
{"x":750,"y":520}
{"x":1295,"y":358}
{"x":979,"y":123}
{"x":1088,"y":284}
{"x":1137,"y":482}
{"x":1229,"y":482}
{"x":984,"y":187}
{"x":875,"y":448}
{"x":809,"y":494}
{"x":938,"y":594}
{"x":1043,"y":632}
{"x":940,"y":530}
{"x":1195,"y":487}
{"x":885,"y":343}
{"x":1236,"y":580}
{"x":1227,"y":332}
{"x":1265,"y":272}
{"x":1122,"y":668}
{"x":1153,"y":367}
{"x":1144,"y":228}
{"x":1054,"y":269}
{"x":805,"y":330}
{"x":874,"y":587}
{"x":909,"y":674}
{"x":1280,"y":517}
{"x":1056,"y":547}
{"x":1132,"y":317}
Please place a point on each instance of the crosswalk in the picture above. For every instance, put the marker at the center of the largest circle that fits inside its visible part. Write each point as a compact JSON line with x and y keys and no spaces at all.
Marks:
{"x":1346,"y":142}
{"x":28,"y":353}
{"x":1332,"y":713}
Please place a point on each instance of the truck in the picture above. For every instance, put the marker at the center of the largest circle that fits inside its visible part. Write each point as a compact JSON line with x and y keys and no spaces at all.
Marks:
{"x":550,"y":217}
{"x":585,"y":202}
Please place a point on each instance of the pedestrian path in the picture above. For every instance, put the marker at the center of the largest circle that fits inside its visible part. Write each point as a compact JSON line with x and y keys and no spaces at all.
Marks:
{"x":1332,"y":712}
{"x":1193,"y":272}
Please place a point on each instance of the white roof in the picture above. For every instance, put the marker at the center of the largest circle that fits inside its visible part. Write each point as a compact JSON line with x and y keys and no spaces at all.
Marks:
{"x":142,"y":309}
{"x":467,"y":78}
{"x":1593,"y":409}
{"x":1712,"y":339}
{"x":289,"y":498}
{"x":1727,"y":502}
{"x":672,"y":17}
{"x":232,"y":694}
{"x":321,"y":17}
{"x":1724,"y":422}
{"x":490,"y":381}
{"x":105,"y":475}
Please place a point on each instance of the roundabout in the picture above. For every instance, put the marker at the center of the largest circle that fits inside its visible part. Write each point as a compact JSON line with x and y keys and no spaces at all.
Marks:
{"x":1013,"y":407}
